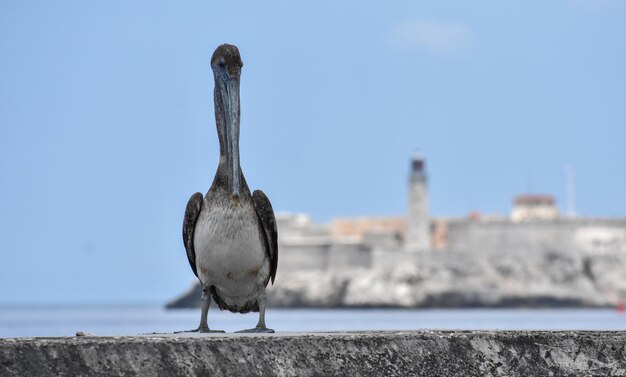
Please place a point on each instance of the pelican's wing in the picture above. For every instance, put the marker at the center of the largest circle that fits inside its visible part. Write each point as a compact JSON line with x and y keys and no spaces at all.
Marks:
{"x":194,"y":206}
{"x":264,"y":210}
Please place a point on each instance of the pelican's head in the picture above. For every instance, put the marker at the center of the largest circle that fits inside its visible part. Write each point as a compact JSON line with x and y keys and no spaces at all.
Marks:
{"x":226,"y":62}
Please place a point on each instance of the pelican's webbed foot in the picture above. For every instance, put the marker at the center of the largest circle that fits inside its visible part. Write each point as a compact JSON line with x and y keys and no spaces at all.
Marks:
{"x":257,"y":330}
{"x":200,"y":329}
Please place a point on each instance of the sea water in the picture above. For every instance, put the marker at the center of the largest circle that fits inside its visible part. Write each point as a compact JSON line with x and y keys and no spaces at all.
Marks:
{"x":66,"y":320}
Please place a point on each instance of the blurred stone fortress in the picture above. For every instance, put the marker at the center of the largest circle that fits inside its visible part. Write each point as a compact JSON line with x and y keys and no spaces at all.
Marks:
{"x":534,"y":225}
{"x":532,"y":258}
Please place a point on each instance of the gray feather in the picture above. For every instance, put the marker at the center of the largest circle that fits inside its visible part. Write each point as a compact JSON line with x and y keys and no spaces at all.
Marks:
{"x":264,"y":211}
{"x":194,"y":206}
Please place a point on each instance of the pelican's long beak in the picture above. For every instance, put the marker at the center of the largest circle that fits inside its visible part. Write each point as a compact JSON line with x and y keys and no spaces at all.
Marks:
{"x":230,"y":99}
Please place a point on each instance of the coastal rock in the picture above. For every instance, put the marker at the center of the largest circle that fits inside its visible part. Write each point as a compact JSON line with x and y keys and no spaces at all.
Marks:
{"x":454,"y":279}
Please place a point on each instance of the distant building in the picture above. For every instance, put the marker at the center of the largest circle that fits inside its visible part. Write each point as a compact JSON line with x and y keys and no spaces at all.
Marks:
{"x":534,"y":224}
{"x":378,"y":232}
{"x":418,"y":220}
{"x":534,"y":207}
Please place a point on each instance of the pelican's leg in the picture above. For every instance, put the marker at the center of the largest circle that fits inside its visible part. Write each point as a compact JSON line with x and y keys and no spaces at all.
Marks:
{"x":260,"y":326}
{"x":204,"y":325}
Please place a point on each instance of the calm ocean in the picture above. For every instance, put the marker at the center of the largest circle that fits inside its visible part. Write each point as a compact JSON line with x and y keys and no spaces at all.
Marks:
{"x":20,"y":321}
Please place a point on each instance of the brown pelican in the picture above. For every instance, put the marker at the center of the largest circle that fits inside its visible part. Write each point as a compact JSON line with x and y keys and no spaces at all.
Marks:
{"x":230,"y":234}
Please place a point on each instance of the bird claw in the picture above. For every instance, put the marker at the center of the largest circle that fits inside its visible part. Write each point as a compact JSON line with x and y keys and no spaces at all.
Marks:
{"x":256,"y":330}
{"x":202,"y":330}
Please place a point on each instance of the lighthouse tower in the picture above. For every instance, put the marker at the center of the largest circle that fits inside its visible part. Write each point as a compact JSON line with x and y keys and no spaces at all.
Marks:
{"x":418,"y":222}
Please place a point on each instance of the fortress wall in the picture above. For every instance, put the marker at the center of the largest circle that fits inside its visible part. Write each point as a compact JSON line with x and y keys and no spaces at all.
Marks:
{"x":349,"y":256}
{"x":598,"y":238}
{"x":594,"y":236}
{"x":303,"y":257}
{"x":507,"y":236}
{"x":323,"y":257}
{"x":580,"y":234}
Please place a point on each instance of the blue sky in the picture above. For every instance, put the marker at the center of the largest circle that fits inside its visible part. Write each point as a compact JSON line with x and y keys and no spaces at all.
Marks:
{"x":107,"y":127}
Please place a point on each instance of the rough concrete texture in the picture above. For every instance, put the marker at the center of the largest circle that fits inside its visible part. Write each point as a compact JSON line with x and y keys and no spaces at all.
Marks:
{"x":410,"y":353}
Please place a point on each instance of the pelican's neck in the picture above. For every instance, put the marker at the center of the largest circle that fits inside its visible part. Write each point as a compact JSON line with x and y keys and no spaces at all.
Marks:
{"x":226,"y":100}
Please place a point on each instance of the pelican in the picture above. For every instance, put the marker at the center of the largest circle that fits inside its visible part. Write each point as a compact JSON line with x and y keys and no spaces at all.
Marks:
{"x":230,"y":234}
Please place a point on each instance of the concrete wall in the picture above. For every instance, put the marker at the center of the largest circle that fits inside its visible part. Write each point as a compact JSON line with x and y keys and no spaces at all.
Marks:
{"x":507,"y":236}
{"x":584,"y":234}
{"x":305,"y":257}
{"x":592,"y":236}
{"x":410,"y":353}
{"x":306,"y":246}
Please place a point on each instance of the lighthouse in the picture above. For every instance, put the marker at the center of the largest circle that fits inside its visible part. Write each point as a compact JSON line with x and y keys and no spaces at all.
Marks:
{"x":418,"y":221}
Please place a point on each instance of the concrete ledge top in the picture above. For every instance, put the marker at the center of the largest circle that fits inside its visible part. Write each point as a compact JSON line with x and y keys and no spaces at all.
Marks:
{"x":390,"y":353}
